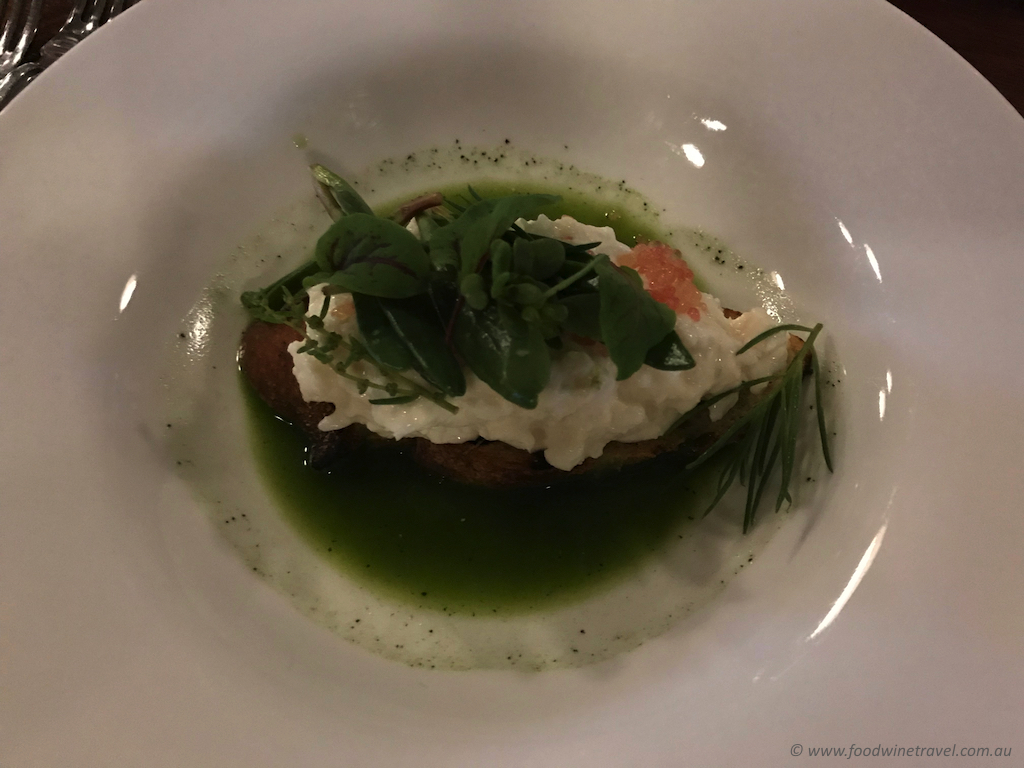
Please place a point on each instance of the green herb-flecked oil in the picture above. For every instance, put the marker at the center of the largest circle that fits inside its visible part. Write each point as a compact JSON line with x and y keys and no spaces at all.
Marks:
{"x":587,"y":207}
{"x":399,"y":529}
{"x":396,"y":527}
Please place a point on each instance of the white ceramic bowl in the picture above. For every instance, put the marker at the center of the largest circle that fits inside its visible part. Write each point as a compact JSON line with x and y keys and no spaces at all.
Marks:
{"x":859,"y":158}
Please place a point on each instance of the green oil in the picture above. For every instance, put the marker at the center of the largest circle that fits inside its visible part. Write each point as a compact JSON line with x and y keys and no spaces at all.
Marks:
{"x":589,"y":206}
{"x":387,"y":523}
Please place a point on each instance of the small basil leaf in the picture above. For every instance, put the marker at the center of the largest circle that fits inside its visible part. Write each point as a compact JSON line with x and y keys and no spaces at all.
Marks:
{"x":584,"y":315}
{"x":669,"y":354}
{"x":378,"y":335}
{"x":374,"y":256}
{"x":414,"y":322}
{"x":505,"y":352}
{"x":631,"y":321}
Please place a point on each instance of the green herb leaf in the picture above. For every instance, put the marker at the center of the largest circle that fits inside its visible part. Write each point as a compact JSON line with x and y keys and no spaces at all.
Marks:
{"x":669,"y":354}
{"x":540,"y":259}
{"x":336,"y":189}
{"x":631,"y":321}
{"x":426,"y":225}
{"x":584,"y":314}
{"x":379,"y":336}
{"x":444,"y":296}
{"x":554,"y":312}
{"x":505,"y":352}
{"x":273,"y":303}
{"x":366,"y":254}
{"x":501,"y":267}
{"x":415,"y":322}
{"x":524,"y":292}
{"x":257,"y":304}
{"x":340,"y":353}
{"x":472,"y":287}
{"x":465,"y":242}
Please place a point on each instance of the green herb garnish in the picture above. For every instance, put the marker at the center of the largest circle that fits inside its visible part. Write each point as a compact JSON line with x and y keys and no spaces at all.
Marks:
{"x":368,"y":255}
{"x":474,"y":291}
{"x":767,"y":433}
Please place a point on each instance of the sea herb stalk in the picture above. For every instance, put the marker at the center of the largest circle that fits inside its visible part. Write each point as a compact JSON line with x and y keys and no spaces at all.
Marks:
{"x":767,"y":434}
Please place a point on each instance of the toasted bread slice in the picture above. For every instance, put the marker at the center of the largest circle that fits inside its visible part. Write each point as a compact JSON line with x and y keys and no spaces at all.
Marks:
{"x":267,"y":365}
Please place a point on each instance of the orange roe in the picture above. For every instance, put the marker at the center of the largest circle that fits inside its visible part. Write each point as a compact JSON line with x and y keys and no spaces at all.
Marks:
{"x":343,"y":307}
{"x":666,"y":277}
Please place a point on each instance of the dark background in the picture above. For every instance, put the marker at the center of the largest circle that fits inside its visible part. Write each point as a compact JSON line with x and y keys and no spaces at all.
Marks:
{"x":988,"y":33}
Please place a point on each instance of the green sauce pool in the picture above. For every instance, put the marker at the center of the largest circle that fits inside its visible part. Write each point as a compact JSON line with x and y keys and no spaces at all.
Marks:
{"x":394,"y":526}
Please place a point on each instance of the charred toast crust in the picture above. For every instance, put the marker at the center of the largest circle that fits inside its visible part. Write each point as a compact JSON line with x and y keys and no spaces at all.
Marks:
{"x":266,"y":363}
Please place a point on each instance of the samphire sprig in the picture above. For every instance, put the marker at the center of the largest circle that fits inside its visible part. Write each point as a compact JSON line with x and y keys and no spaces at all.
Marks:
{"x":767,"y":434}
